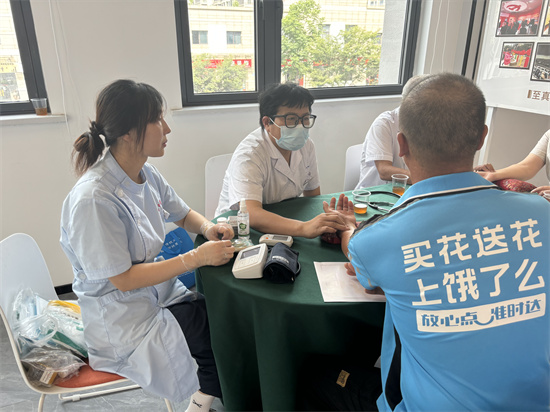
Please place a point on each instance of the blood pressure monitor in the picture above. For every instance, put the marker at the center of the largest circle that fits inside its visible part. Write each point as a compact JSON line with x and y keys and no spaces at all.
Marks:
{"x":271,"y":240}
{"x":250,"y":262}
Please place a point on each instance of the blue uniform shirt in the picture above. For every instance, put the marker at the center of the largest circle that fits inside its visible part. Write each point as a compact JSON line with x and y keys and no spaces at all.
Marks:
{"x":108,"y":224}
{"x":465,"y":269}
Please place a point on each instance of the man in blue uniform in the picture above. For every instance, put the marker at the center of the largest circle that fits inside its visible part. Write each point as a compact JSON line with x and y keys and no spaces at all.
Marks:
{"x":464,"y":267}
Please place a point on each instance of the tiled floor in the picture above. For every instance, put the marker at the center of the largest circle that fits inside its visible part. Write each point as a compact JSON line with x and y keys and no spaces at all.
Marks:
{"x":17,"y":397}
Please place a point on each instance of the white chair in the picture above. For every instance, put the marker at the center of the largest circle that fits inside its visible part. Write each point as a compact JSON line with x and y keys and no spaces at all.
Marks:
{"x":214,"y":172}
{"x":22,"y":265}
{"x":353,"y":166}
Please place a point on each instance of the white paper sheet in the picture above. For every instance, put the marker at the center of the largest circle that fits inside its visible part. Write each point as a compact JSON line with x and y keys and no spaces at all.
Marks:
{"x":338,"y":286}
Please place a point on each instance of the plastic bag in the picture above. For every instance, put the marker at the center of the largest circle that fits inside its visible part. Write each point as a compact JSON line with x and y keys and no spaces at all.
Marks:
{"x":55,"y":324}
{"x":47,"y":366}
{"x":26,"y":305}
{"x":70,"y":329}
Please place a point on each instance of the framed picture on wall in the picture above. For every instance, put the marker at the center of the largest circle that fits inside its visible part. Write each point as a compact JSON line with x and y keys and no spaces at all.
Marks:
{"x":546,"y":25}
{"x":516,"y":55}
{"x":519,"y":18}
{"x":541,"y":65}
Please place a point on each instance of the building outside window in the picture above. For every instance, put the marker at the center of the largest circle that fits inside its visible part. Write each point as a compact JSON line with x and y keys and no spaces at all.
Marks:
{"x":233,"y":37}
{"x":200,"y":37}
{"x":336,"y":48}
{"x":20,"y":69}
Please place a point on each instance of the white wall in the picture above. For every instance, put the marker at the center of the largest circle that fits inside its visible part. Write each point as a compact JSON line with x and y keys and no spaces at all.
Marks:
{"x":85,"y":44}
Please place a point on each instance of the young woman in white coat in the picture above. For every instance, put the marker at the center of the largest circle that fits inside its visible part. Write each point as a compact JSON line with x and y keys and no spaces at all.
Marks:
{"x":139,"y":320}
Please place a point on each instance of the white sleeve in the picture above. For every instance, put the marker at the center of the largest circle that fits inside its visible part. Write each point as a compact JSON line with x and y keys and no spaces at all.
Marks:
{"x":541,"y":148}
{"x":246,"y":178}
{"x":379,"y":141}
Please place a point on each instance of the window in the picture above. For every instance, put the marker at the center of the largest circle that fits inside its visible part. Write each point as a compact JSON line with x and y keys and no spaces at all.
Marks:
{"x":233,"y":37}
{"x":200,"y":37}
{"x":335,"y":48}
{"x":20,"y":70}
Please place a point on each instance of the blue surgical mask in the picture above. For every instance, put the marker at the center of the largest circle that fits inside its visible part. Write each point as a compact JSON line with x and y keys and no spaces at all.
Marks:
{"x":292,"y":139}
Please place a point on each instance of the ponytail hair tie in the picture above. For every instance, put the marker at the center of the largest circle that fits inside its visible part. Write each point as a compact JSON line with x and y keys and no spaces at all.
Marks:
{"x":96,"y":129}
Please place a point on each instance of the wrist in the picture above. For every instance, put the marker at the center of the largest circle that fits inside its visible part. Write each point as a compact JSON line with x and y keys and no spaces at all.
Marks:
{"x":206,"y":225}
{"x":190,"y":260}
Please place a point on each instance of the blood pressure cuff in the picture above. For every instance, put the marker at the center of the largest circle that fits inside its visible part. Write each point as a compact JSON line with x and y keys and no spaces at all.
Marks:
{"x":282,"y":264}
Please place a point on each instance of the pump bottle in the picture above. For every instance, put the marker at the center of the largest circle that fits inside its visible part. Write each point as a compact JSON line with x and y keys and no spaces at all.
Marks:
{"x":243,"y":222}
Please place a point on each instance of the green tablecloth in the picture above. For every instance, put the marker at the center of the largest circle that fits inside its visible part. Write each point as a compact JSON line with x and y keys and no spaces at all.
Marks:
{"x":262,"y":332}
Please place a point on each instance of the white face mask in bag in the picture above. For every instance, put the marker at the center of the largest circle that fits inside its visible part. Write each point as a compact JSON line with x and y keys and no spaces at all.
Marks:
{"x":292,"y":139}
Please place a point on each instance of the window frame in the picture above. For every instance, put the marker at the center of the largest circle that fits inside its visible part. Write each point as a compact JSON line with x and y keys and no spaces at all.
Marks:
{"x":268,"y":15}
{"x":30,"y":59}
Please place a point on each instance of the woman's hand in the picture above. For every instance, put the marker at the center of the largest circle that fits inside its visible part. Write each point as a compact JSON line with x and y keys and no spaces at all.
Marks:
{"x":214,"y":253}
{"x":487,"y":167}
{"x":490,"y":176}
{"x":540,"y":189}
{"x":219,"y":231}
{"x":323,"y":223}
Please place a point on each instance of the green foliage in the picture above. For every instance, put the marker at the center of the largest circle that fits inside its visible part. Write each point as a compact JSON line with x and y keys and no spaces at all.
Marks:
{"x":301,"y":29}
{"x":225,"y":77}
{"x":350,"y":58}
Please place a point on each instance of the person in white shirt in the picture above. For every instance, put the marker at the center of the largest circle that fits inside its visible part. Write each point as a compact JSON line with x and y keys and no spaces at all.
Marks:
{"x":277,"y":162}
{"x":380,"y":155}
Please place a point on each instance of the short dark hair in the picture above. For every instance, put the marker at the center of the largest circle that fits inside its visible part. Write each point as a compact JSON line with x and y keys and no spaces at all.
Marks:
{"x":443,"y":119}
{"x":283,"y":94}
{"x":121,"y":106}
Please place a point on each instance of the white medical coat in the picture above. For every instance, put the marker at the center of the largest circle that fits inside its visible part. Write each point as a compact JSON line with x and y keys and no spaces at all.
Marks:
{"x":108,"y":224}
{"x":258,"y":171}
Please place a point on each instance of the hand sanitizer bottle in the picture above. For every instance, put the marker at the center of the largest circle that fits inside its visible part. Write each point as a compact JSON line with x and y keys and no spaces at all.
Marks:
{"x":243,"y":223}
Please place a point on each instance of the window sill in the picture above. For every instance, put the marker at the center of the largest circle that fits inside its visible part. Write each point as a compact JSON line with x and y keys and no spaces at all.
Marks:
{"x":317,"y":102}
{"x":20,"y":119}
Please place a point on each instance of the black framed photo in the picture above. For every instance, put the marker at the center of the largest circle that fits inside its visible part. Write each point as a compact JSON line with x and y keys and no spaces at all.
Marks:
{"x":519,"y":18}
{"x":541,"y":63}
{"x":546,"y":25}
{"x":516,"y":55}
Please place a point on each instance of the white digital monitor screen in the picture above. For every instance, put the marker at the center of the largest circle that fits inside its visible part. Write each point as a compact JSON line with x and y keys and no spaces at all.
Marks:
{"x":248,"y":253}
{"x":280,"y":237}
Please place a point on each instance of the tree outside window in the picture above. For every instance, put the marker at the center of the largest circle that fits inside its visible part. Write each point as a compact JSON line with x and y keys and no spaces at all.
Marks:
{"x":314,"y":58}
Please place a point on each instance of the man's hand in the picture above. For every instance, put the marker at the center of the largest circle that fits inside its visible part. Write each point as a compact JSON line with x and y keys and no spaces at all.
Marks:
{"x":344,"y":208}
{"x":350,"y":271}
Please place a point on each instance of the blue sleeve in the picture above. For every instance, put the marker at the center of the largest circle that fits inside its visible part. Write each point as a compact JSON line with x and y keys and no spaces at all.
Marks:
{"x":357,"y":262}
{"x":99,"y":238}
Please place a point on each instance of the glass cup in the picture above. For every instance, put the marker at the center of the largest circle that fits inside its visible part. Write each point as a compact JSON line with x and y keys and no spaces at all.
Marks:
{"x":40,"y":105}
{"x":399,"y":183}
{"x":360,"y":201}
